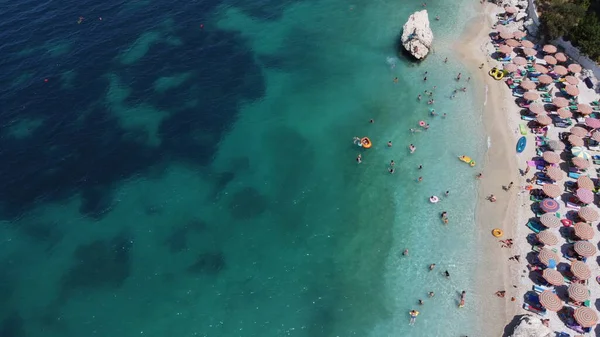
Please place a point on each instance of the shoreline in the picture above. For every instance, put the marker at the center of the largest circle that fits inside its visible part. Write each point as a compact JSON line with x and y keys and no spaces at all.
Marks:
{"x":499,"y":168}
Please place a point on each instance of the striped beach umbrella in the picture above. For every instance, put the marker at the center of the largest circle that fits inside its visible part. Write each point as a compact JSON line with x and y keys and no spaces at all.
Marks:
{"x":593,"y":123}
{"x":584,"y":248}
{"x":550,"y":205}
{"x":547,"y":238}
{"x":586,"y":317}
{"x":560,"y":70}
{"x":555,"y":173}
{"x":545,"y":255}
{"x":585,"y":196}
{"x":527,"y":44}
{"x":575,"y":140}
{"x":585,"y":182}
{"x":551,"y":190}
{"x":580,"y":270}
{"x":550,"y":301}
{"x":588,"y":214}
{"x":578,"y":292}
{"x":583,"y":231}
{"x":553,"y":277}
{"x":551,"y":157}
{"x":578,"y":131}
{"x":550,"y":49}
{"x":560,"y":57}
{"x":580,"y":152}
{"x":564,"y":113}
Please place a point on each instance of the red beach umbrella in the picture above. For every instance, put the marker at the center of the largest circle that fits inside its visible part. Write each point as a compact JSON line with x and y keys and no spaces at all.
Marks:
{"x":530,"y":51}
{"x":537,"y":108}
{"x":544,"y":120}
{"x":550,"y":300}
{"x":564,"y":113}
{"x":520,"y":61}
{"x":579,"y":162}
{"x":593,"y":123}
{"x":551,"y":157}
{"x":586,"y":317}
{"x":550,"y":220}
{"x":528,"y":85}
{"x":506,"y":35}
{"x":572,"y":90}
{"x":572,"y":80}
{"x":551,"y":190}
{"x":580,"y":270}
{"x":513,"y":43}
{"x":588,"y":214}
{"x":545,"y":79}
{"x":585,"y":248}
{"x":585,"y":196}
{"x":550,"y":49}
{"x":578,"y":292}
{"x":505,"y":49}
{"x":555,"y":173}
{"x":545,"y":255}
{"x":531,"y":96}
{"x":584,"y":109}
{"x":511,"y":67}
{"x":583,"y":231}
{"x":585,"y":182}
{"x":575,"y":141}
{"x":578,"y":131}
{"x":547,"y":238}
{"x":553,"y":277}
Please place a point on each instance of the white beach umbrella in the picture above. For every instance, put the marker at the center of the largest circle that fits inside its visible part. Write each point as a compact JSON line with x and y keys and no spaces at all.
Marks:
{"x":580,"y":152}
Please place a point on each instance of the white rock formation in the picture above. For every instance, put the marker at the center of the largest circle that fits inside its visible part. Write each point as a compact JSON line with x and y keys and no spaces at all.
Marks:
{"x":531,"y":326}
{"x":417,"y":36}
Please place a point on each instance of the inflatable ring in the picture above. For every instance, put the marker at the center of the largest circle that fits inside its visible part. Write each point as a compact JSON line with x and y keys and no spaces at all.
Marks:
{"x":422,"y":123}
{"x":434,"y":199}
{"x":528,"y":187}
{"x":472,"y":163}
{"x":497,"y":232}
{"x":366,"y":142}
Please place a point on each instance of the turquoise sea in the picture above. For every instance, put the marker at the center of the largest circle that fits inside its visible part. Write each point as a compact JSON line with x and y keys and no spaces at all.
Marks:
{"x":186,"y":168}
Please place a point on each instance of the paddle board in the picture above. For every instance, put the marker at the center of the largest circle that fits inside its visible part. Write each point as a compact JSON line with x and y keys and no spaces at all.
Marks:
{"x":521,"y":144}
{"x":523,"y":129}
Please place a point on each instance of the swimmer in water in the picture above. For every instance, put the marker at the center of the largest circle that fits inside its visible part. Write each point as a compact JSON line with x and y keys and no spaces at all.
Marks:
{"x":395,"y":79}
{"x":359,"y":159}
{"x":405,"y":252}
{"x":412,"y":148}
{"x":390,"y":143}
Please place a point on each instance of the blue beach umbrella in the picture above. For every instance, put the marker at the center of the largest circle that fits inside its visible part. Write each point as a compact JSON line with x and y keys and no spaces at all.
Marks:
{"x":580,"y":152}
{"x":549,"y":205}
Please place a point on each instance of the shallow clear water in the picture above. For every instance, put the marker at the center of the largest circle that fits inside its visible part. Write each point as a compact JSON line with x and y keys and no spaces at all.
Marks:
{"x":173,"y":178}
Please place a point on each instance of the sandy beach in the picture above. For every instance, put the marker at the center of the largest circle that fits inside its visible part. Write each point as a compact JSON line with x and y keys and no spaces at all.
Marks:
{"x":513,"y":208}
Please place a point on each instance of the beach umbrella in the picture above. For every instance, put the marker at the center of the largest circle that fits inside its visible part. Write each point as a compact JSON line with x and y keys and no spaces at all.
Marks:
{"x":545,"y":255}
{"x":572,"y":80}
{"x":540,"y":68}
{"x":596,"y":136}
{"x":526,"y":43}
{"x":519,"y":34}
{"x":588,"y":214}
{"x":585,"y":182}
{"x":504,"y":49}
{"x":550,"y":300}
{"x":545,"y":79}
{"x":529,"y":51}
{"x":531,"y":96}
{"x":584,"y":195}
{"x":550,"y":49}
{"x":556,"y":146}
{"x":584,"y":109}
{"x":580,"y":152}
{"x":544,"y":120}
{"x":575,"y":140}
{"x":572,"y":90}
{"x":551,"y":190}
{"x":580,"y":162}
{"x":583,"y":231}
{"x":580,"y":270}
{"x":511,"y":10}
{"x":560,"y":102}
{"x":578,"y":131}
{"x":578,"y":292}
{"x":560,"y":57}
{"x":560,"y":70}
{"x":547,"y":238}
{"x":512,"y":42}
{"x":550,"y":220}
{"x":564,"y":113}
{"x":550,"y":59}
{"x":528,"y":85}
{"x":574,"y":68}
{"x":537,"y":108}
{"x":586,"y":317}
{"x":510,"y":67}
{"x":593,"y":123}
{"x":584,"y":248}
{"x":506,"y":35}
{"x":555,"y":173}
{"x":553,"y":277}
{"x":551,"y":157}
{"x":520,"y":61}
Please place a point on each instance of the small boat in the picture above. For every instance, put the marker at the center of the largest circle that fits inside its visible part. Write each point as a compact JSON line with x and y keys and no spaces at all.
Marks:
{"x":366,"y":142}
{"x":521,"y":144}
{"x":467,"y":160}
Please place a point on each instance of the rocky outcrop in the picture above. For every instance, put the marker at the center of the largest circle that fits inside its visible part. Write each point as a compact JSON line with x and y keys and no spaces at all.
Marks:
{"x":531,"y":326}
{"x":417,"y":36}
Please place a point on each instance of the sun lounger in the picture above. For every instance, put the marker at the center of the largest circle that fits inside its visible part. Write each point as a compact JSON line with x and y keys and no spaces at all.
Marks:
{"x":535,"y":226}
{"x":517,"y":94}
{"x":574,"y":175}
{"x":540,"y":311}
{"x":540,"y":289}
{"x":527,"y":118}
{"x":572,"y":205}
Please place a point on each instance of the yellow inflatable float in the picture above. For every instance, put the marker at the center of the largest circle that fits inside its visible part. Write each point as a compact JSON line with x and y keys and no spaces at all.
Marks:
{"x":366,"y":142}
{"x":497,"y":232}
{"x":467,"y":160}
{"x":497,"y":74}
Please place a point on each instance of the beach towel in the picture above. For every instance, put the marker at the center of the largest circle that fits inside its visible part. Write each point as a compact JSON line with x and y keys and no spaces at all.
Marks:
{"x":572,"y":205}
{"x":574,"y":175}
{"x":534,"y":163}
